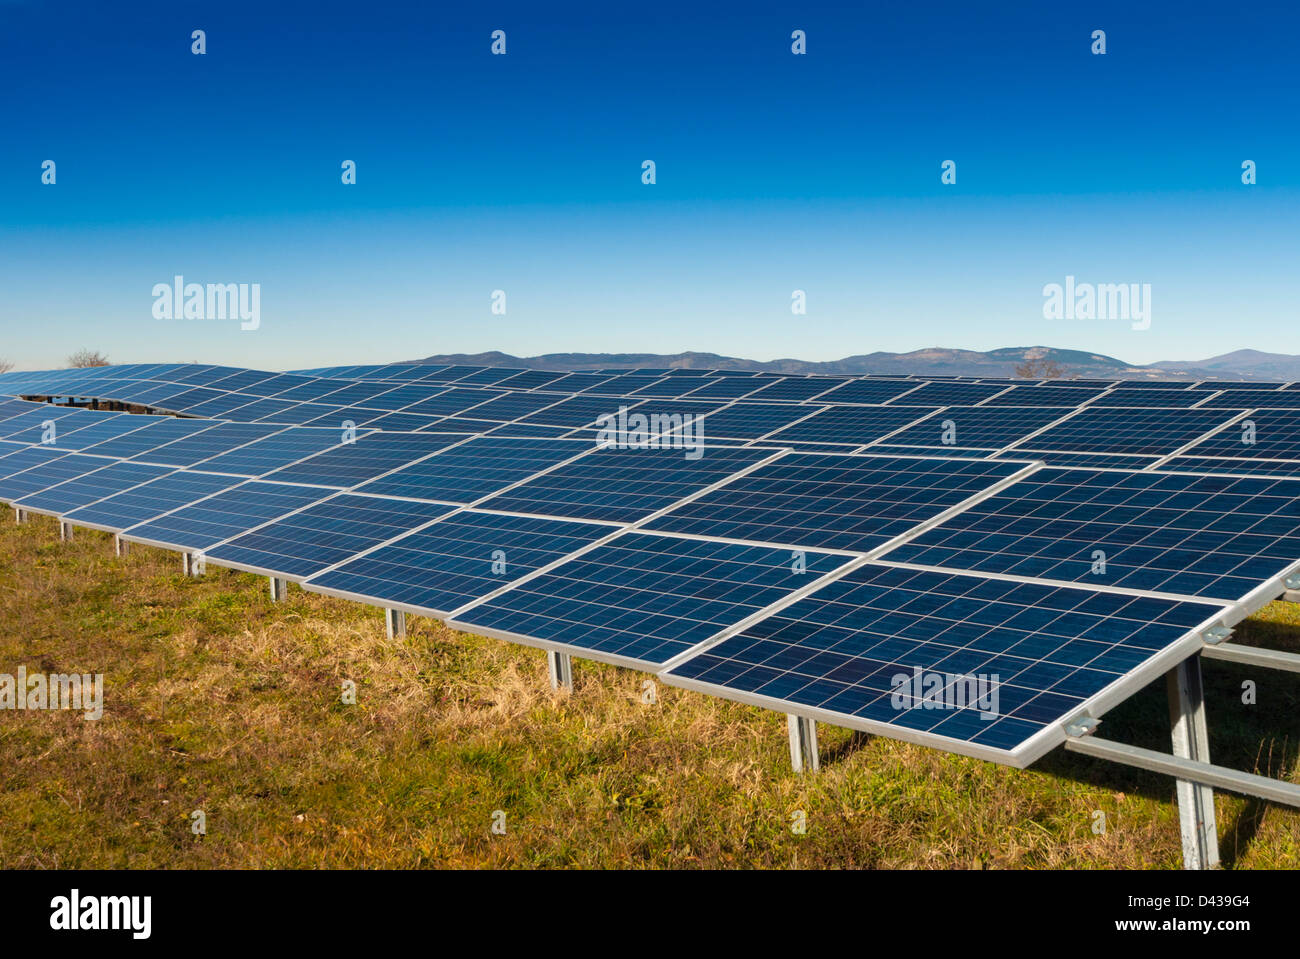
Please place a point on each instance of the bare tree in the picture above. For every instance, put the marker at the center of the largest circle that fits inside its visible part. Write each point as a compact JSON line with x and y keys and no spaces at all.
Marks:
{"x":6,"y":365}
{"x":84,"y":358}
{"x":1039,"y":370}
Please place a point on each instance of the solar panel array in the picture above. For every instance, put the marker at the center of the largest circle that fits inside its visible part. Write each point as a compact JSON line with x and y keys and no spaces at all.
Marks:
{"x":816,"y":544}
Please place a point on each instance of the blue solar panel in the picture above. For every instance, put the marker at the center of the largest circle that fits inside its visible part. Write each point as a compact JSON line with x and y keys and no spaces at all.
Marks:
{"x":1154,"y":432}
{"x":977,"y":426}
{"x":1213,"y":537}
{"x":157,"y":431}
{"x":274,"y":451}
{"x":24,"y":458}
{"x":726,"y":388}
{"x":1060,"y":396}
{"x":1116,"y":461}
{"x":301,"y":413}
{"x":573,"y":412}
{"x":853,"y":652}
{"x":1180,"y":397}
{"x":121,"y":510}
{"x":459,"y":559}
{"x":832,"y":501}
{"x":238,"y":509}
{"x":749,"y":421}
{"x":948,"y":394}
{"x":797,"y":388}
{"x":1263,"y":434}
{"x":354,"y":463}
{"x":476,"y":468}
{"x":624,"y":485}
{"x":16,"y":425}
{"x":91,"y":486}
{"x":402,"y":422}
{"x":1260,"y":399}
{"x":326,"y":533}
{"x":38,"y":477}
{"x":868,"y":391}
{"x":221,"y":438}
{"x":643,"y":599}
{"x":453,"y":401}
{"x":1245,"y":467}
{"x":854,"y":425}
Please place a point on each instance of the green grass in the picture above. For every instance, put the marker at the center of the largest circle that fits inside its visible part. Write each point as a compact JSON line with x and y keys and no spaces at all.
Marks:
{"x":219,"y":700}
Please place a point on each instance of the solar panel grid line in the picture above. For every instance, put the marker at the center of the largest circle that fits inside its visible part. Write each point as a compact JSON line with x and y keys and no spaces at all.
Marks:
{"x":1244,"y":414}
{"x":992,"y":396}
{"x":1210,"y":396}
{"x":121,"y":462}
{"x":205,"y":436}
{"x":461,"y":508}
{"x":638,"y":524}
{"x":195,"y":468}
{"x":900,"y":538}
{"x":810,"y":413}
{"x":1011,"y":447}
{"x":1022,"y":755}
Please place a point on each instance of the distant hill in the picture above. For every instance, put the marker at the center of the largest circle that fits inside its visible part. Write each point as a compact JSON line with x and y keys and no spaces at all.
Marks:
{"x":1241,"y":365}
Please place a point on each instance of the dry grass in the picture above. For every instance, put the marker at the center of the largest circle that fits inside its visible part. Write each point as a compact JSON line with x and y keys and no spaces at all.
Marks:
{"x":219,"y":700}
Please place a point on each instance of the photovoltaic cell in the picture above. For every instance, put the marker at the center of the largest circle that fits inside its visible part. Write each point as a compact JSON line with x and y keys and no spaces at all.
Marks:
{"x":303,"y":543}
{"x":868,"y":391}
{"x":475,"y":468}
{"x":1061,"y":396}
{"x":848,"y":424}
{"x":1212,"y":537}
{"x":1154,"y":432}
{"x":354,"y":463}
{"x":623,"y":485}
{"x":1248,"y":467}
{"x":88,"y":487}
{"x":853,"y":649}
{"x":833,"y":502}
{"x":272,"y":452}
{"x":132,"y":506}
{"x":38,"y":477}
{"x":977,"y":427}
{"x":229,"y":513}
{"x":749,"y":421}
{"x":221,"y":438}
{"x":458,"y":559}
{"x":159,"y":431}
{"x":644,"y":599}
{"x":1262,"y":434}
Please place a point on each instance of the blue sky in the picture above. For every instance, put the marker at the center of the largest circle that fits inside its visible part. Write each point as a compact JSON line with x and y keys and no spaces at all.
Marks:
{"x":522,"y":173}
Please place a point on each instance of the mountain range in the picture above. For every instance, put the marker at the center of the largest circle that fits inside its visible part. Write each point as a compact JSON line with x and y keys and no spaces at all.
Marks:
{"x":1238,"y":365}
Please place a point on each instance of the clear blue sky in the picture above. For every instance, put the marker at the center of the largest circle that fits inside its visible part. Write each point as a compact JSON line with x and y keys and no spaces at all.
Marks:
{"x":775,"y":172}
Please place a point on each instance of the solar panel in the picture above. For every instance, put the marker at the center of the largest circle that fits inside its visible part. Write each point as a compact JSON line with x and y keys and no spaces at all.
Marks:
{"x":476,"y":468}
{"x":1211,"y":537}
{"x":326,"y":533}
{"x":749,"y":421}
{"x":854,"y":652}
{"x":157,"y":431}
{"x":572,"y":412}
{"x":868,"y":391}
{"x":80,"y":434}
{"x":16,"y":425}
{"x":1260,"y":399}
{"x":41,"y":475}
{"x":1153,"y":432}
{"x":980,"y":427}
{"x":221,"y":438}
{"x":531,"y":379}
{"x":833,"y":502}
{"x":453,"y":401}
{"x":457,"y":560}
{"x":1066,"y":396}
{"x":271,"y":452}
{"x":132,"y":506}
{"x":726,"y":388}
{"x":302,"y":413}
{"x":1244,"y":467}
{"x":642,"y":599}
{"x":207,"y":522}
{"x":949,"y":394}
{"x":795,"y":389}
{"x":849,"y":424}
{"x":1168,"y":398}
{"x":371,"y":455}
{"x":623,"y":485}
{"x":88,"y":487}
{"x":1261,"y":434}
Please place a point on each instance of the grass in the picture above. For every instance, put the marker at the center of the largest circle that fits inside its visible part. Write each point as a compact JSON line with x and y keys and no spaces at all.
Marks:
{"x":218,"y":700}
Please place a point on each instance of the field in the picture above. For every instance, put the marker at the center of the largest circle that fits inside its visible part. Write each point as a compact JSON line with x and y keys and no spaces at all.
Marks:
{"x":219,"y":700}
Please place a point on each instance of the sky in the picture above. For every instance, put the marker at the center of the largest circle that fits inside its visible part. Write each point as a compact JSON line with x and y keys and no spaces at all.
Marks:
{"x":522,"y":173}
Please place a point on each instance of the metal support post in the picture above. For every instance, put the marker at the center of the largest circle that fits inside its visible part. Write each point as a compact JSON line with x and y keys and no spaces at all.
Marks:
{"x":395,"y":619}
{"x":561,"y":669}
{"x":803,"y":744}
